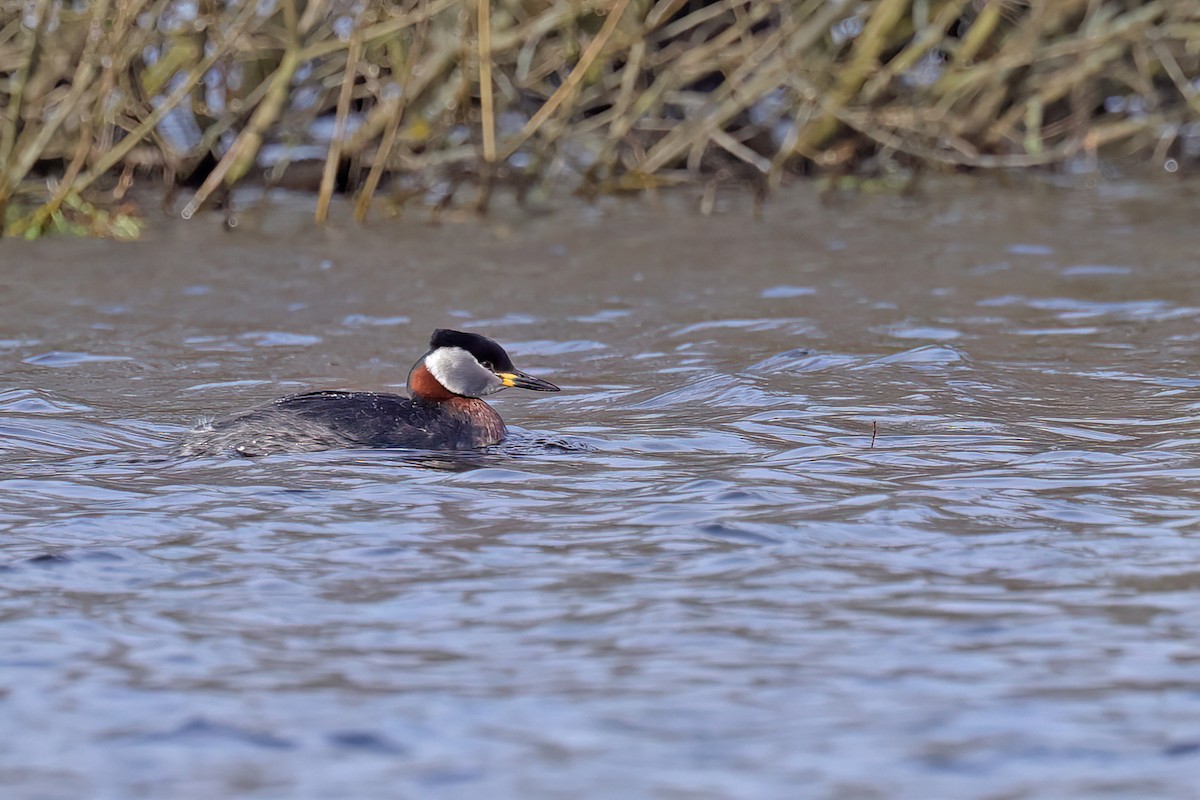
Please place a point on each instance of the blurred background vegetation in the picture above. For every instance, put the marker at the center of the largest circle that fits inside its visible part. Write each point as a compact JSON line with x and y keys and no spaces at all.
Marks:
{"x":443,"y":101}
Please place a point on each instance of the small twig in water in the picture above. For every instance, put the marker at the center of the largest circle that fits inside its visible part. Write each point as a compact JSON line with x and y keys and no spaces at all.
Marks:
{"x":874,"y":431}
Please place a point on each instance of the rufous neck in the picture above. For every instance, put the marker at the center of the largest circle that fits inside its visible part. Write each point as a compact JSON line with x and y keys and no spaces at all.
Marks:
{"x":423,"y":386}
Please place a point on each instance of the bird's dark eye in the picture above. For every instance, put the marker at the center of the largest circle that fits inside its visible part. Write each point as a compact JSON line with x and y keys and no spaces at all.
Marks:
{"x":487,"y":365}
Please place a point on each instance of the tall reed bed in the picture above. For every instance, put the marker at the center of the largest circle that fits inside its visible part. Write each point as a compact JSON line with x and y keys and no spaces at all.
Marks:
{"x":445,"y":100}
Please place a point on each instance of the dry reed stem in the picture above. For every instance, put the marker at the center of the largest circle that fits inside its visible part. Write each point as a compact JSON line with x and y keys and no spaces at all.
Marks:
{"x":978,"y":34}
{"x":864,"y":58}
{"x":234,"y":164}
{"x":8,"y":134}
{"x":363,"y":205}
{"x":1186,"y":88}
{"x":113,"y":157}
{"x":314,"y":11}
{"x":84,"y":72}
{"x":380,"y":30}
{"x":657,"y":91}
{"x":924,"y":42}
{"x":573,"y":80}
{"x":661,"y":12}
{"x":730,"y":101}
{"x":486,"y":108}
{"x":329,"y":175}
{"x":392,"y":129}
{"x":126,"y":12}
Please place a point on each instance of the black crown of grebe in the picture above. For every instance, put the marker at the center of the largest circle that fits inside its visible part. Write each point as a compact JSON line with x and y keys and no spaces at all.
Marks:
{"x":442,"y":412}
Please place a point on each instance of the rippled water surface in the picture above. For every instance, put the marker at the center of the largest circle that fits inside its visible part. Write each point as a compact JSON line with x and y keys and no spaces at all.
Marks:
{"x":872,"y":497}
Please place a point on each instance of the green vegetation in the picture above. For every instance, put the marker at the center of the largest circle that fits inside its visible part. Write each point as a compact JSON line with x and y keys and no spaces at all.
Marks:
{"x":400,"y":98}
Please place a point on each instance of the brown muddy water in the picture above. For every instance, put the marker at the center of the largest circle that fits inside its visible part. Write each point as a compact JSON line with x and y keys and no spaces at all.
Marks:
{"x":689,"y":575}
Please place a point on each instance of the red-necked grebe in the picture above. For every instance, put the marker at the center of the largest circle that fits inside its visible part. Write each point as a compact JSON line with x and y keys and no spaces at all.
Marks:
{"x":442,"y":412}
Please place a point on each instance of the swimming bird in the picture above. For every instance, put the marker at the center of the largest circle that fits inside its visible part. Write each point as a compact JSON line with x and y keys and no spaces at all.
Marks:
{"x":444,"y":409}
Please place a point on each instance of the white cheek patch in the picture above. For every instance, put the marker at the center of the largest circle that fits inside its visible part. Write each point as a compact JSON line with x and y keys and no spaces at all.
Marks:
{"x":439,"y":363}
{"x":458,"y":371}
